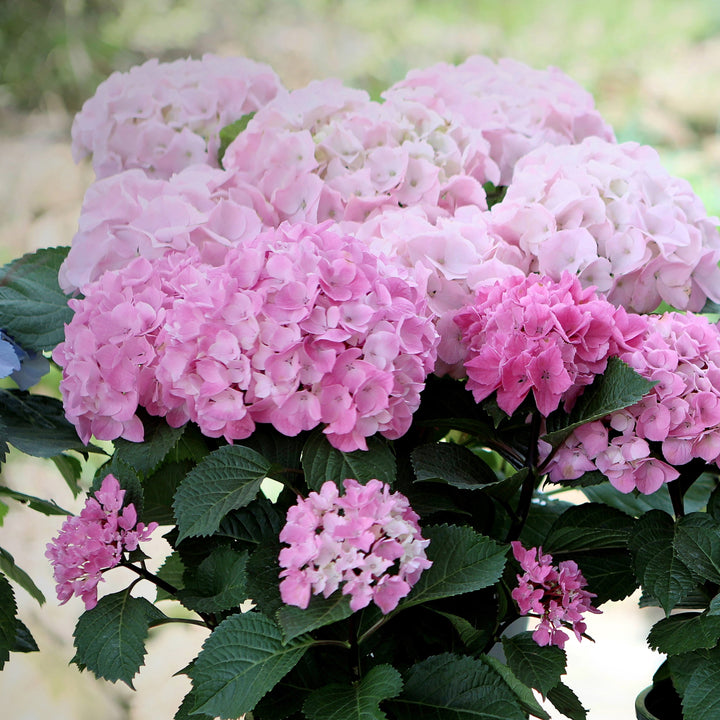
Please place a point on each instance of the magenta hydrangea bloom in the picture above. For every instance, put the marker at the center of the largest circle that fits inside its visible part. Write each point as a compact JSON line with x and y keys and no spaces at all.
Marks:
{"x":297,"y":327}
{"x":163,"y":117}
{"x":614,"y":216}
{"x":501,"y":111}
{"x":536,"y":334}
{"x":366,"y":542}
{"x":555,"y":594}
{"x":681,"y":413}
{"x":95,"y":541}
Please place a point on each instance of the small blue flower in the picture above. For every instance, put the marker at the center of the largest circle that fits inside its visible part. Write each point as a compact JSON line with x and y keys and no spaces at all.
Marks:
{"x":24,"y":367}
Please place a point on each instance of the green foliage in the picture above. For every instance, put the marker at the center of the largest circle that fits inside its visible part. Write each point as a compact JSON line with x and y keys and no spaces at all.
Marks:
{"x":538,"y":667}
{"x":230,"y":132}
{"x":319,"y":613}
{"x":8,"y":621}
{"x":452,"y":464}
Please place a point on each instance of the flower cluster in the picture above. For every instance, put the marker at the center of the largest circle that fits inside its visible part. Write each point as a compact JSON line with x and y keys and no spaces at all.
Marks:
{"x":503,"y":110}
{"x":615,"y":217}
{"x":537,"y":334}
{"x":297,"y":327}
{"x":367,"y":540}
{"x":163,"y":117}
{"x":555,"y":594}
{"x":95,"y":541}
{"x":24,"y":367}
{"x":681,"y":354}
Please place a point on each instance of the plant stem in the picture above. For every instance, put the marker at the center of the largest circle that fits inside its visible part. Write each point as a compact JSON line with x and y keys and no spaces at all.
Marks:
{"x":144,"y":573}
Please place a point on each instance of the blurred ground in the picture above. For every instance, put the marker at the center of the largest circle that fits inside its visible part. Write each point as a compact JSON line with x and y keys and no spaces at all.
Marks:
{"x":652,"y":65}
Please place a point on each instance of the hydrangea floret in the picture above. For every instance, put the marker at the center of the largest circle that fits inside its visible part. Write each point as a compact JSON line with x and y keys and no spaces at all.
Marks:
{"x":554,"y":593}
{"x":366,"y":541}
{"x":94,"y":541}
{"x":25,"y":367}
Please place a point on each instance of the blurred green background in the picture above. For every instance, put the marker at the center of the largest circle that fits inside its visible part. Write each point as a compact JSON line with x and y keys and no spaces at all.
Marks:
{"x":652,"y":65}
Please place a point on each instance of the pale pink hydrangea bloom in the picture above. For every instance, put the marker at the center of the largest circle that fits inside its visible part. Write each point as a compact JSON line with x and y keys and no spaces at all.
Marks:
{"x":536,"y":334}
{"x":366,"y":541}
{"x":614,"y":216}
{"x":298,"y":327}
{"x":163,"y":117}
{"x":555,"y":594}
{"x":502,"y":110}
{"x":95,"y":541}
{"x":681,"y":353}
{"x":130,"y":215}
{"x":328,"y":152}
{"x":452,"y":256}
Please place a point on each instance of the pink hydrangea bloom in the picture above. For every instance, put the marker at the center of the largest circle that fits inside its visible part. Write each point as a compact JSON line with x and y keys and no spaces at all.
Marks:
{"x":612,"y":215}
{"x":536,"y":334}
{"x":681,"y":413}
{"x":297,"y":327}
{"x":366,"y":541}
{"x":555,"y":594}
{"x":328,"y":152}
{"x":131,"y":215}
{"x":163,"y":117}
{"x":501,"y":111}
{"x":95,"y":541}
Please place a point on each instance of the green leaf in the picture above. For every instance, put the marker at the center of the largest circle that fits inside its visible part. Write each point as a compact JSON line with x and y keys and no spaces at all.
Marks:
{"x":697,"y":544}
{"x":538,"y":667}
{"x":295,"y":621}
{"x":36,"y":425}
{"x":230,"y":132}
{"x":218,"y":583}
{"x":657,"y":565}
{"x":263,"y":580}
{"x":145,"y":457}
{"x":171,"y":571}
{"x":566,"y":702}
{"x":254,"y":524}
{"x":463,"y":561}
{"x":242,"y":660}
{"x":685,"y":632}
{"x":46,"y":507}
{"x":159,"y":491}
{"x":110,"y":638}
{"x":24,"y":641}
{"x":701,"y":697}
{"x":283,"y":451}
{"x":322,"y":462}
{"x":524,"y":693}
{"x":454,"y":687}
{"x":451,"y":464}
{"x":185,"y":711}
{"x":18,"y":575}
{"x":590,"y":526}
{"x":8,"y":620}
{"x":617,"y":388}
{"x":225,"y":480}
{"x":33,"y":308}
{"x":71,"y":471}
{"x":608,"y":573}
{"x":472,"y":638}
{"x":360,"y":701}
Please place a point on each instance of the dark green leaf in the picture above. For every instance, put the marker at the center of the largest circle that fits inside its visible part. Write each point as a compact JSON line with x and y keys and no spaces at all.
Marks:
{"x":566,"y":701}
{"x":543,"y":514}
{"x":701,"y":699}
{"x":18,"y":575}
{"x":453,"y":687}
{"x":185,"y":711}
{"x":685,"y":632}
{"x":538,"y":667}
{"x":591,"y":526}
{"x":524,"y":694}
{"x":682,"y":667}
{"x":360,"y":701}
{"x":295,"y":621}
{"x":71,"y":471}
{"x":254,"y":524}
{"x":697,"y":545}
{"x":46,"y":507}
{"x":146,"y":456}
{"x":617,"y":388}
{"x":608,"y":573}
{"x":33,"y":308}
{"x":322,"y":462}
{"x":243,"y":659}
{"x":159,"y":491}
{"x":451,"y":464}
{"x":472,"y":638}
{"x":463,"y":561}
{"x":171,"y":571}
{"x":657,"y":565}
{"x":217,"y":584}
{"x":24,"y":641}
{"x":36,"y":425}
{"x":263,"y":580}
{"x":8,"y":620}
{"x":225,"y":480}
{"x":110,"y":638}
{"x":282,"y":451}
{"x":230,"y":132}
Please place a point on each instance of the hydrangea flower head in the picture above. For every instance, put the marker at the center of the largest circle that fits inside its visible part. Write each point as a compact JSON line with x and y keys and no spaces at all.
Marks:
{"x":611,"y":214}
{"x":366,"y":542}
{"x":555,"y":594}
{"x":536,"y":334}
{"x":95,"y":541}
{"x":163,"y":117}
{"x":680,"y":414}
